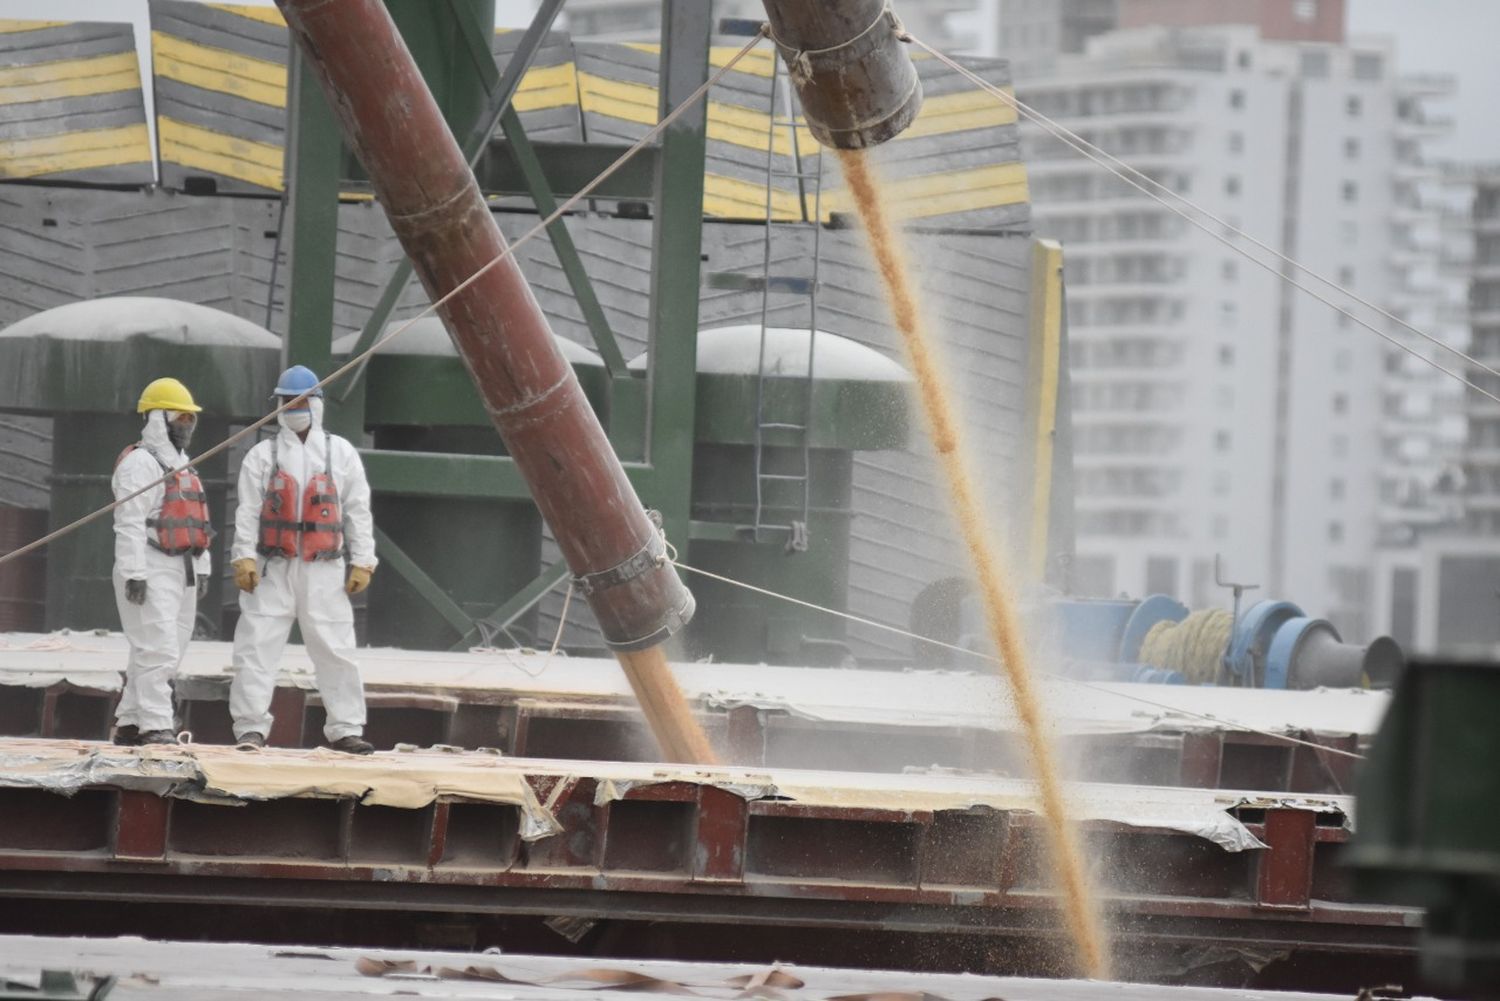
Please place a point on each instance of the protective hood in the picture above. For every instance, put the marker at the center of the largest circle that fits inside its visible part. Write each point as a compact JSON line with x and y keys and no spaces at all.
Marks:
{"x":315,"y":407}
{"x":154,"y":436}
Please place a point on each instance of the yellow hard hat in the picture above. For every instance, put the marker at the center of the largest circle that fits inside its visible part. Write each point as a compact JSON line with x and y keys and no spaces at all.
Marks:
{"x":167,"y":394}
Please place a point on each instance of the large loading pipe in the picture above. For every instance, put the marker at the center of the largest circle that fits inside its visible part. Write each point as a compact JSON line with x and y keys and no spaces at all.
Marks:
{"x":853,"y":74}
{"x":393,"y":124}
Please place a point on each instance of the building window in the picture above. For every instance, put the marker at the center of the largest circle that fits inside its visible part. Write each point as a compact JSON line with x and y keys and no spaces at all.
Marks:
{"x":1243,"y":59}
{"x":1223,"y":441}
{"x":1229,"y":315}
{"x":1340,"y":403}
{"x":1349,"y":232}
{"x":1351,"y":191}
{"x":1335,"y":532}
{"x":1305,"y":10}
{"x":1232,"y":186}
{"x":1237,"y":99}
{"x":1226,"y":354}
{"x":1314,"y":64}
{"x":1346,"y":276}
{"x":1351,"y":148}
{"x":1353,"y":106}
{"x":1339,"y":446}
{"x":1230,"y":270}
{"x":1367,"y":66}
{"x":1336,"y":489}
{"x":1236,"y":142}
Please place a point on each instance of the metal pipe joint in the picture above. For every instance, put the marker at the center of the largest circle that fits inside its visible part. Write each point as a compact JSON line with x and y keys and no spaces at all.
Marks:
{"x":856,"y":80}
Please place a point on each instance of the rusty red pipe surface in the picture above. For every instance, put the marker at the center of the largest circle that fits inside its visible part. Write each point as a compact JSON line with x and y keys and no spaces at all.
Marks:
{"x":847,"y":59}
{"x":394,"y":126}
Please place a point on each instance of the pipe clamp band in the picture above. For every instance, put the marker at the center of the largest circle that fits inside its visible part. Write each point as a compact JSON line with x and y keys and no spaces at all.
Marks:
{"x":650,"y":556}
{"x":799,"y":61}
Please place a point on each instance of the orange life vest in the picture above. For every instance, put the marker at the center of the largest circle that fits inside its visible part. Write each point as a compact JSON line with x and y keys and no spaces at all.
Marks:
{"x":182,"y":524}
{"x":309,"y":526}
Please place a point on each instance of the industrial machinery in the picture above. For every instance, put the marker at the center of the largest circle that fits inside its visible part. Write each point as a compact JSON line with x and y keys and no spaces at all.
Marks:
{"x":916,"y":840}
{"x":1273,"y":644}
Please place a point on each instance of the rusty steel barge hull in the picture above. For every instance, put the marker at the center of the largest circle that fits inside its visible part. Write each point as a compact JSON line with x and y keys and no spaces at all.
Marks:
{"x":931,"y":871}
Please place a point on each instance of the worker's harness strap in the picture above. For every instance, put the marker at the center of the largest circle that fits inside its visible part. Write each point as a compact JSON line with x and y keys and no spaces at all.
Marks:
{"x":650,"y":556}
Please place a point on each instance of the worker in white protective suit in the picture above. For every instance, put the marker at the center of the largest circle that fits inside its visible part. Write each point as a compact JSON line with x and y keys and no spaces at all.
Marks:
{"x":162,"y":562}
{"x":304,"y":503}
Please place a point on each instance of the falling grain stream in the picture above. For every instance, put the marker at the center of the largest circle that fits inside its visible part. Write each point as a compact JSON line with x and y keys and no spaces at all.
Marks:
{"x":665,"y":709}
{"x":999,"y":604}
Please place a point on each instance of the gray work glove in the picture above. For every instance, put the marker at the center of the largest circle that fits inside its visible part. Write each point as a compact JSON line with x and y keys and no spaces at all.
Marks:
{"x":135,"y":592}
{"x":202,"y":585}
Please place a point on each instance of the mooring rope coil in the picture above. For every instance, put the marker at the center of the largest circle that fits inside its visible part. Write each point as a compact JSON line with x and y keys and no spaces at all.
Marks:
{"x":1194,"y":647}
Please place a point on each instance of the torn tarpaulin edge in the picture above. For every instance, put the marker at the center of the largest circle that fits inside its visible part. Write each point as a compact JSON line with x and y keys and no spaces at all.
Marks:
{"x":224,"y":776}
{"x":1210,"y":820}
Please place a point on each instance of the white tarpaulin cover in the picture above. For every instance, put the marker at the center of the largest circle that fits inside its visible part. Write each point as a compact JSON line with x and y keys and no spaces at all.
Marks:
{"x":892,"y":698}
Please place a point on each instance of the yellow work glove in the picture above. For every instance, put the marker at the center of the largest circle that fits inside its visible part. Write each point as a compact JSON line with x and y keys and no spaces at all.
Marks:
{"x":359,"y":579}
{"x":245,"y":574}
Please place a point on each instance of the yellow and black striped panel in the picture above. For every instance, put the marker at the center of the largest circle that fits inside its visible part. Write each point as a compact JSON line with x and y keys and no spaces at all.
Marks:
{"x":958,"y":164}
{"x":547,"y":99}
{"x":71,"y":107}
{"x":220,"y":77}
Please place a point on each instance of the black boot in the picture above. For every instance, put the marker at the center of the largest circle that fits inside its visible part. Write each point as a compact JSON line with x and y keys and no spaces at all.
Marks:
{"x":158,"y":737}
{"x":128,"y":735}
{"x":352,"y":745}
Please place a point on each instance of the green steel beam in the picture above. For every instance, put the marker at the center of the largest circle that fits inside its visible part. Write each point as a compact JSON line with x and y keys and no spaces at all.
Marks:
{"x":675,"y":261}
{"x":476,"y":43}
{"x":562,"y":243}
{"x":436,"y":474}
{"x":536,"y":182}
{"x":394,"y":557}
{"x":720,"y":531}
{"x":516,"y":605}
{"x":502,"y":88}
{"x":313,"y":159}
{"x":445,"y":474}
{"x":569,"y":166}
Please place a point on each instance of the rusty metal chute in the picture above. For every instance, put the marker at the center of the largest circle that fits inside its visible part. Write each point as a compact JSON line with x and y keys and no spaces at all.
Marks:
{"x":852,"y":72}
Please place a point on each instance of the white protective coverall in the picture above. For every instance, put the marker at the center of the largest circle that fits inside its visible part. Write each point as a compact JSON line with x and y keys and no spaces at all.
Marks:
{"x":158,"y":630}
{"x":309,"y":593}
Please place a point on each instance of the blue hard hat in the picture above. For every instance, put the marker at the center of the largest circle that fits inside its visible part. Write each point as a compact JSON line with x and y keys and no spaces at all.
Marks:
{"x":298,"y":380}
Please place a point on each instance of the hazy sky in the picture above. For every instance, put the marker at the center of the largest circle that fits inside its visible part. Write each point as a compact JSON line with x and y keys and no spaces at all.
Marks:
{"x":1435,"y":36}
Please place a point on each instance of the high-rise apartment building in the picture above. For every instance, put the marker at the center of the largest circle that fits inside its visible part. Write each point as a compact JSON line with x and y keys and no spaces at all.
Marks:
{"x":1481,"y":456}
{"x":1218,"y":410}
{"x":1439,"y":592}
{"x":1035,"y":34}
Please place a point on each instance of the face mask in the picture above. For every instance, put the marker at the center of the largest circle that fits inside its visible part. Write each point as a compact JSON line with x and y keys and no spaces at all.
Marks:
{"x":180,"y":428}
{"x":296,"y":421}
{"x":179,"y":435}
